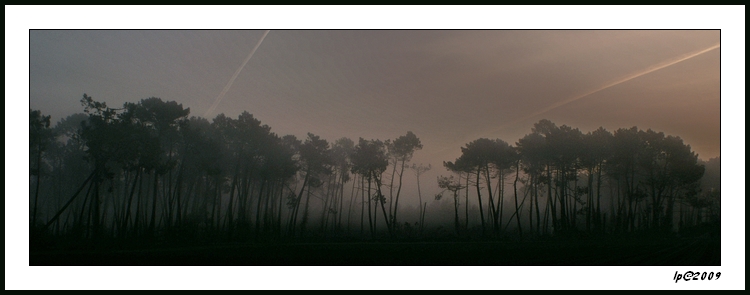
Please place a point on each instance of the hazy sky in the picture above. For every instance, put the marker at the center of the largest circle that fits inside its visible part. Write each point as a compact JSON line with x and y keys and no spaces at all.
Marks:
{"x":448,"y":87}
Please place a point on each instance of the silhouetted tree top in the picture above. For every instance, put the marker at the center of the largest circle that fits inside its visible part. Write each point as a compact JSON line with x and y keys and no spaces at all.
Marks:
{"x":483,"y":152}
{"x":369,"y":158}
{"x":316,"y":154}
{"x":403,"y":147}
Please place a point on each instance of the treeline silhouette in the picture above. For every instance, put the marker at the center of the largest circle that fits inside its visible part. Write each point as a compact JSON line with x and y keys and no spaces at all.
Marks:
{"x":592,"y":183}
{"x":149,"y":171}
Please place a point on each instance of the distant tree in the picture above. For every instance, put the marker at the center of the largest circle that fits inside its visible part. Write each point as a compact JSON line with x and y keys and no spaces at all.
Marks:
{"x":531,"y":151}
{"x":622,"y":168}
{"x":67,"y":169}
{"x":452,"y":185}
{"x":670,"y":169}
{"x":544,"y":154}
{"x":341,"y":152}
{"x":276,"y":168}
{"x":418,"y":171}
{"x":105,"y":144}
{"x":505,"y":157}
{"x":316,"y":161}
{"x":562,"y":153}
{"x":400,"y":151}
{"x":710,"y":191}
{"x":254,"y":141}
{"x":369,"y":160}
{"x":40,"y":136}
{"x":285,"y":168}
{"x":517,"y":164}
{"x":489,"y":158}
{"x":599,"y":149}
{"x":71,"y":172}
{"x":162,"y":120}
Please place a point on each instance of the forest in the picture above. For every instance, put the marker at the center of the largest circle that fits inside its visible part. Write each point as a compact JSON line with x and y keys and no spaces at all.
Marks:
{"x":148,"y":174}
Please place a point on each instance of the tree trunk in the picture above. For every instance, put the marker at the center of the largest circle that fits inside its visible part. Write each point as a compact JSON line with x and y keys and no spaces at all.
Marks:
{"x":303,"y":224}
{"x":421,"y":209}
{"x":501,"y":199}
{"x":531,"y":203}
{"x":351,"y":202}
{"x":535,"y":184}
{"x":551,"y":202}
{"x":575,"y":200}
{"x":152,"y":224}
{"x":564,"y":222}
{"x":340,"y":215}
{"x":94,"y":209}
{"x":369,"y":206}
{"x":281,"y":206}
{"x":388,"y":223}
{"x":70,"y":201}
{"x":390,"y":188}
{"x":599,"y":220}
{"x":515,"y":196}
{"x":38,"y":181}
{"x":229,"y":217}
{"x":479,"y":196}
{"x":267,"y":204}
{"x":398,"y":193}
{"x":257,"y":208}
{"x":130,"y":202}
{"x":466,"y":201}
{"x":295,"y":210}
{"x":325,"y":212}
{"x":590,"y":200}
{"x":362,"y":212}
{"x":493,"y":211}
{"x":455,"y":210}
{"x":138,"y":206}
{"x":219,"y":197}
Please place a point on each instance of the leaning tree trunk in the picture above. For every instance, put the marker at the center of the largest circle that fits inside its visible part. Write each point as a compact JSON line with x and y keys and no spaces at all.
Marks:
{"x":351,"y":202}
{"x":388,"y":224}
{"x":70,"y":201}
{"x":295,"y":210}
{"x":398,"y":193}
{"x":38,"y":181}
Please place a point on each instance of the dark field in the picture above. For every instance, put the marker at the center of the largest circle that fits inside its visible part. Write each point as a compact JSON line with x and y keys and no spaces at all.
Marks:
{"x":683,"y":252}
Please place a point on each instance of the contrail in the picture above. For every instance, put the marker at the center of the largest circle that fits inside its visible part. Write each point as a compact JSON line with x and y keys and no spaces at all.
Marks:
{"x":648,"y":70}
{"x":226,"y":88}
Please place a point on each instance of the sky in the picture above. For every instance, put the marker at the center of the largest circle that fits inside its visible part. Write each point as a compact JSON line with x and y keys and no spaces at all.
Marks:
{"x":449,"y":87}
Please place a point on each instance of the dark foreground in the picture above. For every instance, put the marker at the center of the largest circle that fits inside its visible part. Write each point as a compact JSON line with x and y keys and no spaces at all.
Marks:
{"x":679,"y":252}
